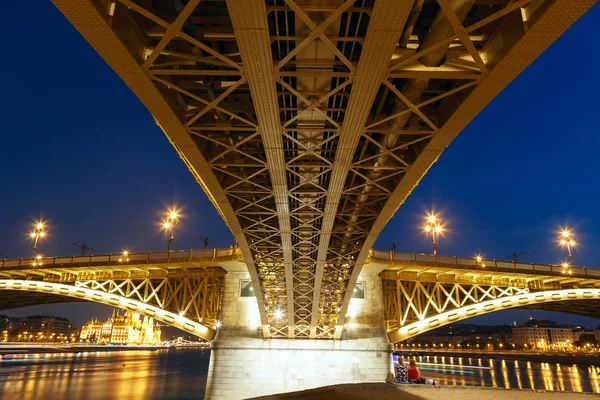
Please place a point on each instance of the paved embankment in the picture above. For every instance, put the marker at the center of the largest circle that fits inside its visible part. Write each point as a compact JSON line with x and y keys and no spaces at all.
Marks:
{"x":384,"y":391}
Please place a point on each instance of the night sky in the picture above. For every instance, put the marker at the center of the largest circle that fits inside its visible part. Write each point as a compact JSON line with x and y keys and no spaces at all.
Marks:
{"x":80,"y":151}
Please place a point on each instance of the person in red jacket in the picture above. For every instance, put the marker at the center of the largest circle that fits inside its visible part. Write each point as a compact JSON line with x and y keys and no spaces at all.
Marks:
{"x":414,"y":376}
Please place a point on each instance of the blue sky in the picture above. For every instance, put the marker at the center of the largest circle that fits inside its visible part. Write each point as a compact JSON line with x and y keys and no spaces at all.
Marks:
{"x":79,"y":150}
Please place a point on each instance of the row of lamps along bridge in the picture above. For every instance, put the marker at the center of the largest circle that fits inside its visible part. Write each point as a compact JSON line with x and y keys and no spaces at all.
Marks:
{"x":168,"y":225}
{"x":434,"y":227}
{"x":39,"y":232}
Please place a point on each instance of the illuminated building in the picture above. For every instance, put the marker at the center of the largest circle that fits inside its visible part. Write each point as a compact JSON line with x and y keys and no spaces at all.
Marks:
{"x":48,"y":325}
{"x":543,"y":335}
{"x":37,"y":328}
{"x":126,"y":328}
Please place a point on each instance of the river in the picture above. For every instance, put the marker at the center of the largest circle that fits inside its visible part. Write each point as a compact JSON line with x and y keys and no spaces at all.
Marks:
{"x":181,"y":374}
{"x":475,"y":371}
{"x":160,"y":374}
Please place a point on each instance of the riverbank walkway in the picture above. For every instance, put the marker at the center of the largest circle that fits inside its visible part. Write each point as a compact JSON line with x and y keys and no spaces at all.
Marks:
{"x":390,"y":391}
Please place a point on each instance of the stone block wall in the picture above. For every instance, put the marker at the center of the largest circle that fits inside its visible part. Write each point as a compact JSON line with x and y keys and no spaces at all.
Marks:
{"x":243,"y":365}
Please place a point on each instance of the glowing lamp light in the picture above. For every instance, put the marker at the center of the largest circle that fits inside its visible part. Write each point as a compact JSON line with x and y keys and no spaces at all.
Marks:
{"x":173,"y":214}
{"x":434,"y":227}
{"x":38,"y":261}
{"x":278,"y":314}
{"x":219,"y":324}
{"x":167,"y":225}
{"x":32,"y":234}
{"x":124,"y":256}
{"x":40,"y":225}
{"x":181,"y":313}
{"x":478,"y":258}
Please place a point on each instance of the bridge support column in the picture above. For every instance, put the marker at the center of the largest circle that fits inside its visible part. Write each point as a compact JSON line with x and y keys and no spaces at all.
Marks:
{"x":243,"y":365}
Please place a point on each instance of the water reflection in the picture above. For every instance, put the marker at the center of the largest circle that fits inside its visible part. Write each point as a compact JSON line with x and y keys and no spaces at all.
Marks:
{"x":511,"y":374}
{"x":173,"y":374}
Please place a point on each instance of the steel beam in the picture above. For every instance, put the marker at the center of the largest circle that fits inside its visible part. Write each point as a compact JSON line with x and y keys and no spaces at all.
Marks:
{"x":545,"y":28}
{"x":93,"y":26}
{"x":249,"y":19}
{"x":385,"y":28}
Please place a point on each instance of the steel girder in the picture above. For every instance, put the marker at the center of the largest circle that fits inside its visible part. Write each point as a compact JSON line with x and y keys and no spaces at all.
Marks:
{"x":192,"y":303}
{"x":406,"y":302}
{"x":412,"y":308}
{"x":309,"y":124}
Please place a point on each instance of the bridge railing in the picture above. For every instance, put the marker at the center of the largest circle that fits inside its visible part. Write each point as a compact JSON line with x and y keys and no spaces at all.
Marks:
{"x":173,"y":256}
{"x":493,"y":265}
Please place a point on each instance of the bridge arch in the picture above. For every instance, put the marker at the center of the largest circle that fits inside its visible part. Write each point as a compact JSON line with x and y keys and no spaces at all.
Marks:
{"x":83,"y":293}
{"x":489,"y":306}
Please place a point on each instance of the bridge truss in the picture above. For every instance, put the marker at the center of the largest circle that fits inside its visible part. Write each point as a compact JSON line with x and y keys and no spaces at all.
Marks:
{"x":164,"y":301}
{"x":423,"y":292}
{"x":309,"y":125}
{"x":180,"y":288}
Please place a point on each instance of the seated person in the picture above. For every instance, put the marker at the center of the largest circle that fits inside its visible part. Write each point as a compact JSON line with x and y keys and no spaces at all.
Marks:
{"x":401,"y":375}
{"x":414,"y":375}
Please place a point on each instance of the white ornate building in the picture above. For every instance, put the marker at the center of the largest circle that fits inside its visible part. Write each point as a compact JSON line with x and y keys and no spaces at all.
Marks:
{"x":126,"y":328}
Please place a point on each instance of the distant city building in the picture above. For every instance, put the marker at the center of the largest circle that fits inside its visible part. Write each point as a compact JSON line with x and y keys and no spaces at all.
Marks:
{"x":126,"y":328}
{"x":47,"y":325}
{"x":37,"y":328}
{"x":534,"y":334}
{"x":547,"y":335}
{"x":578,"y":332}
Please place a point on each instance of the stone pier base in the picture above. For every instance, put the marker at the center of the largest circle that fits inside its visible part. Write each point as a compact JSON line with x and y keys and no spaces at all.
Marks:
{"x":243,"y":364}
{"x":246,"y":368}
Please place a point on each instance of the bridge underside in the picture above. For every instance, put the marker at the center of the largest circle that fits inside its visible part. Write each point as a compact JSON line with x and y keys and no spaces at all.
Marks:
{"x":11,"y":299}
{"x":309,"y":123}
{"x":584,"y":308}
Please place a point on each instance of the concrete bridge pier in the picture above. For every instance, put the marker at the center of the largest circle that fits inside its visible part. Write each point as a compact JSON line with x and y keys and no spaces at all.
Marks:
{"x":243,"y":365}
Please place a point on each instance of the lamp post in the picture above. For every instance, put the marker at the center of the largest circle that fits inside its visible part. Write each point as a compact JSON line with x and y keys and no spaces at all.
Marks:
{"x":566,"y":239}
{"x":168,"y":225}
{"x":479,"y":260}
{"x":38,"y":232}
{"x":515,"y":256}
{"x":433,"y":226}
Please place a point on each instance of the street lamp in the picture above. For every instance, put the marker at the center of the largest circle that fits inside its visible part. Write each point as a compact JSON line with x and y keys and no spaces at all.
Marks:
{"x":168,"y":225}
{"x":124,"y":256}
{"x":433,"y":226}
{"x":566,"y":239}
{"x":37,"y":262}
{"x":479,"y":260}
{"x":566,"y":270}
{"x":38,"y":232}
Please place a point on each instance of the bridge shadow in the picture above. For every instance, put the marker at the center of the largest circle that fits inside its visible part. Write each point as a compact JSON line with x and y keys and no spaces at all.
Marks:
{"x":356,"y":391}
